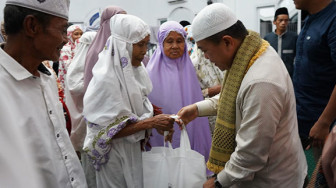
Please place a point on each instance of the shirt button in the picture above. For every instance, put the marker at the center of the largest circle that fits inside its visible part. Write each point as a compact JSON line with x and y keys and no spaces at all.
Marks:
{"x":72,"y":179}
{"x":308,"y":38}
{"x":57,"y":135}
{"x":50,"y":112}
{"x":65,"y":157}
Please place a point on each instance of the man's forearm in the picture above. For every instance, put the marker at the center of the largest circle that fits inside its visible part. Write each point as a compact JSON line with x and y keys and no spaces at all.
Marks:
{"x":329,"y":114}
{"x":208,"y":107}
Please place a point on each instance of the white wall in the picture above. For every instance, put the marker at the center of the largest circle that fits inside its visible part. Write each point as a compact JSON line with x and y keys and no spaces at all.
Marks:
{"x":152,"y":10}
{"x":148,"y":10}
{"x":247,"y":12}
{"x":2,"y":6}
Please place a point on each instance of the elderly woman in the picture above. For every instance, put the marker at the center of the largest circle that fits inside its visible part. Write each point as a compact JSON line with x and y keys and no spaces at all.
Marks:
{"x":119,"y":114}
{"x":99,"y":41}
{"x":175,"y":85}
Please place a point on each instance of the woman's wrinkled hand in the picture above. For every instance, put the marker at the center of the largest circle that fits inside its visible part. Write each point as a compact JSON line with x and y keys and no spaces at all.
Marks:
{"x":162,"y":122}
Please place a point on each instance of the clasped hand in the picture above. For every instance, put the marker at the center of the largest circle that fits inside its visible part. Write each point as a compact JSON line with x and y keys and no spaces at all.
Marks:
{"x":164,"y":122}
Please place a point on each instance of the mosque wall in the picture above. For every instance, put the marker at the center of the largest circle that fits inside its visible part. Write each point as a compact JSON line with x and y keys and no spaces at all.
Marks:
{"x":155,"y":11}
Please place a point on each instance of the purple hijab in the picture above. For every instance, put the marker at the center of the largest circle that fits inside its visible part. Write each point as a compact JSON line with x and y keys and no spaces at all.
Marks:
{"x":99,"y":41}
{"x":175,"y":85}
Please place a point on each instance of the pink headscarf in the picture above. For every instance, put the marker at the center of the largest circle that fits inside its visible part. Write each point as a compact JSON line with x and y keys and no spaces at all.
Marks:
{"x":99,"y":42}
{"x":70,"y":31}
{"x":67,"y":54}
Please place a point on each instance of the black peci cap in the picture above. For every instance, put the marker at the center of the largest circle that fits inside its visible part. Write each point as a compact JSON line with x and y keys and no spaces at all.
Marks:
{"x":282,"y":10}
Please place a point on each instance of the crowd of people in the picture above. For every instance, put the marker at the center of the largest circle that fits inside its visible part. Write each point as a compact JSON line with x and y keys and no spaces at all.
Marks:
{"x":79,"y":106}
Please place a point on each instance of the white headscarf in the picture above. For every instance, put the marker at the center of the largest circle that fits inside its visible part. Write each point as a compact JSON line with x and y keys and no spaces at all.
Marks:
{"x":75,"y":90}
{"x":117,"y":93}
{"x":75,"y":78}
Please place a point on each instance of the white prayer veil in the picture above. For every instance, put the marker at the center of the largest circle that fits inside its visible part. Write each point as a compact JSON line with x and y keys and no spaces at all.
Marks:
{"x":75,"y":90}
{"x":75,"y":74}
{"x":117,"y":93}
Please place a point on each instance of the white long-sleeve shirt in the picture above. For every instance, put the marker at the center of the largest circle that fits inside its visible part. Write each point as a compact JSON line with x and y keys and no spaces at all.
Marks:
{"x":31,"y":104}
{"x":268,"y":151}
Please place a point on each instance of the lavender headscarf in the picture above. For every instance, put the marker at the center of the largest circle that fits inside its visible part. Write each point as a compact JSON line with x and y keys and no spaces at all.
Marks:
{"x":175,"y":85}
{"x":98,"y":43}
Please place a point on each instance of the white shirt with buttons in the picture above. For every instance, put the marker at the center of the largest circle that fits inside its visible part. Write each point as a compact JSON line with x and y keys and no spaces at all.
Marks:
{"x":32,"y":105}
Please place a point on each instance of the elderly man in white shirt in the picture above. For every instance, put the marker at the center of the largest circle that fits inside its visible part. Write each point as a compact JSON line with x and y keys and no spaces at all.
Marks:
{"x":29,"y":101}
{"x":256,"y":141}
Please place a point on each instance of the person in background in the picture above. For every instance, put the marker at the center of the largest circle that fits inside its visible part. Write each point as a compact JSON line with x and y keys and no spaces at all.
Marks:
{"x":190,"y":41}
{"x":29,"y":98}
{"x":99,"y":41}
{"x":3,"y":36}
{"x":283,"y":41}
{"x":75,"y":95}
{"x":256,"y":141}
{"x":329,"y":155}
{"x":175,"y":85}
{"x":119,"y":115}
{"x":325,"y":170}
{"x":329,"y":150}
{"x":74,"y":32}
{"x":184,"y":23}
{"x":209,"y":75}
{"x":314,"y":71}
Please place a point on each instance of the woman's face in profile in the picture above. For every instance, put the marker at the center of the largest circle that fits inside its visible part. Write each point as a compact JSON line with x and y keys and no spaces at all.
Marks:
{"x":173,"y":45}
{"x":139,"y":51}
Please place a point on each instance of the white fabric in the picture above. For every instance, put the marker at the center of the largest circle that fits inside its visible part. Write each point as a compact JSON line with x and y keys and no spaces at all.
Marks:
{"x":269,"y":151}
{"x":59,"y":8}
{"x":17,"y":166}
{"x":31,"y":104}
{"x":208,"y":73}
{"x":179,"y":167}
{"x":75,"y":90}
{"x":113,"y":77}
{"x":89,"y":171}
{"x":118,"y":89}
{"x":212,"y":19}
{"x":74,"y":95}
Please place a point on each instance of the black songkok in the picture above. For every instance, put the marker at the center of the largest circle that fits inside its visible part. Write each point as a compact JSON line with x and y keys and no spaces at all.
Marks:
{"x":282,"y":10}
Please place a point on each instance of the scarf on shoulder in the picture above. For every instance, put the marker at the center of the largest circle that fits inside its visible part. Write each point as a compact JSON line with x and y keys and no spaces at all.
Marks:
{"x":223,"y":141}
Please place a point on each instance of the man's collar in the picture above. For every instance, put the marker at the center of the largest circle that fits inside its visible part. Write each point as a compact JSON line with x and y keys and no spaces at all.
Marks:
{"x":15,"y":69}
{"x":281,"y":34}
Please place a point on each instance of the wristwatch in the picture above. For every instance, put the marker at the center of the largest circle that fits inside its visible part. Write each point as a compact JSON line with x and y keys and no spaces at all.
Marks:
{"x":217,"y":184}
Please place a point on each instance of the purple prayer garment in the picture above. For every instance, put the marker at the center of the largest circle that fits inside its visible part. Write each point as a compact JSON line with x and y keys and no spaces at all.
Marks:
{"x":102,"y":143}
{"x":175,"y":85}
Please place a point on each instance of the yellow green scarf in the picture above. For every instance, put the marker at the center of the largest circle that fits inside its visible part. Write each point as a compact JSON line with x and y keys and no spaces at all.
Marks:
{"x":223,"y":141}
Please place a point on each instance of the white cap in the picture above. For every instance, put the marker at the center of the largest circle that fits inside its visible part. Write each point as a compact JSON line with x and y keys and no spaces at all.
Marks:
{"x":212,"y":19}
{"x":59,"y":8}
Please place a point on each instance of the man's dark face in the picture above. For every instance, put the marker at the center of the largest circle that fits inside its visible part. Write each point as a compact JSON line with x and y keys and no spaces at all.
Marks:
{"x":281,"y":22}
{"x":50,"y":41}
